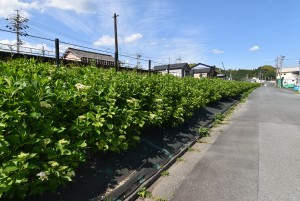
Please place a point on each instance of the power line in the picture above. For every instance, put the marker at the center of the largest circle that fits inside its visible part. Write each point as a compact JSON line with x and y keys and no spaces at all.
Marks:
{"x":81,"y":46}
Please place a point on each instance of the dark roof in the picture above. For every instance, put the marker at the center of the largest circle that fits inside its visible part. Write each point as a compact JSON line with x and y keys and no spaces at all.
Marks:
{"x":92,"y":55}
{"x":172,"y":66}
{"x":202,"y":64}
{"x":201,"y":70}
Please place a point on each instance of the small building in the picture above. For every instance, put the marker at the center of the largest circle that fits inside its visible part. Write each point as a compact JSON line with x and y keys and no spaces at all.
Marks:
{"x":179,"y":70}
{"x":200,"y":72}
{"x":88,"y":57}
{"x":203,"y":72}
{"x":289,"y":76}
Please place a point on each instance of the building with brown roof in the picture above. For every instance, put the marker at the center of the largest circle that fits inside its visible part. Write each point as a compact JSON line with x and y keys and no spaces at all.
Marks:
{"x":89,"y":57}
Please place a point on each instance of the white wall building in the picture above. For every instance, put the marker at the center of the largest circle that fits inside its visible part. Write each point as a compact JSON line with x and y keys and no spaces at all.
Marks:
{"x":179,"y":70}
{"x":290,"y":76}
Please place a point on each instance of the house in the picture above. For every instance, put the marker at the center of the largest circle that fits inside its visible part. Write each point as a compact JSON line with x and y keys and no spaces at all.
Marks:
{"x":289,"y":76}
{"x":201,"y":72}
{"x":179,"y":69}
{"x":89,"y":57}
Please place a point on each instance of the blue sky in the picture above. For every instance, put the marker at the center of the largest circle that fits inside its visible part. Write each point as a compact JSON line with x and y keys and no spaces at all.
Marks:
{"x":240,"y":33}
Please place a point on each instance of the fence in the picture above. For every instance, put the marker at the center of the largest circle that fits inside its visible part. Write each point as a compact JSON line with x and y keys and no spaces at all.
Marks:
{"x":26,"y":50}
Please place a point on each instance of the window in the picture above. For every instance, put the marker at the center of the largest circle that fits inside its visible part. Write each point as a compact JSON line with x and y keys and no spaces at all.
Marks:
{"x":84,"y":59}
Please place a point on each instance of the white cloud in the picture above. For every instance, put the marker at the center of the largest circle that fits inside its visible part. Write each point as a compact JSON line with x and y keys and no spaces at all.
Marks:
{"x":78,"y":6}
{"x":153,"y":43}
{"x":217,"y":51}
{"x":8,"y":42}
{"x":133,"y":38}
{"x":105,"y":40}
{"x":8,"y":7}
{"x":254,"y":48}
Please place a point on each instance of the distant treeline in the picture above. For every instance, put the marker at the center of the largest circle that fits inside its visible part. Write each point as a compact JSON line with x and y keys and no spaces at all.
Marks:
{"x":266,"y":72}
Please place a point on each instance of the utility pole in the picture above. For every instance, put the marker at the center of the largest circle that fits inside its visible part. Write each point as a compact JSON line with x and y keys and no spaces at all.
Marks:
{"x":116,"y":42}
{"x":16,"y":24}
{"x":280,"y":64}
{"x":277,"y":72}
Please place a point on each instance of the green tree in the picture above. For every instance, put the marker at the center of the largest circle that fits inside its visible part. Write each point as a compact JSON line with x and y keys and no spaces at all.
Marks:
{"x":267,"y":72}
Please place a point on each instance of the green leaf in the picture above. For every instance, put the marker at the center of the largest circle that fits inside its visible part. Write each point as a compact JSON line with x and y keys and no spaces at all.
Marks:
{"x":35,"y":115}
{"x":33,"y":167}
{"x":13,"y":139}
{"x":9,"y":169}
{"x":110,"y":126}
{"x":82,"y":145}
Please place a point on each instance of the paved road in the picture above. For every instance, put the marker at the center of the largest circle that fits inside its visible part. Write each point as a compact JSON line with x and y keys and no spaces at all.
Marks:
{"x":256,"y":157}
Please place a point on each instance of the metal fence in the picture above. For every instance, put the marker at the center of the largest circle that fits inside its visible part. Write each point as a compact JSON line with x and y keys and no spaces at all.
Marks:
{"x":26,"y":50}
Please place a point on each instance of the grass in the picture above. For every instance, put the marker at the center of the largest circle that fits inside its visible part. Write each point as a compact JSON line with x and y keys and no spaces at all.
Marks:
{"x":201,"y":141}
{"x":180,"y":160}
{"x":165,"y":173}
{"x":144,"y":193}
{"x":193,"y":149}
{"x":219,"y":117}
{"x":204,"y":132}
{"x":160,"y":199}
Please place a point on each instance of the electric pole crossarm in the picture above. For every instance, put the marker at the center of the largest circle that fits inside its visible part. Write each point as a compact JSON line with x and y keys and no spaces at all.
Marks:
{"x":16,"y":24}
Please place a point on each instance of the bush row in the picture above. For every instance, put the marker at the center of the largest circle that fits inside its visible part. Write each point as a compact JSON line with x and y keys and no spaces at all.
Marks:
{"x":50,"y":116}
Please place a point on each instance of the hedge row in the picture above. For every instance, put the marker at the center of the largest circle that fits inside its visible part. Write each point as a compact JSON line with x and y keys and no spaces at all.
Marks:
{"x":50,"y":116}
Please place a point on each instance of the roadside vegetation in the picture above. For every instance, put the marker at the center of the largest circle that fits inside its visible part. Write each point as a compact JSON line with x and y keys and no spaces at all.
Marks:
{"x":50,"y":117}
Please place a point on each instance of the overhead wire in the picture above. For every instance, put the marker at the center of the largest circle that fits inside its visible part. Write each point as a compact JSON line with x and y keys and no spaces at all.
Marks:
{"x":46,"y":36}
{"x":68,"y":36}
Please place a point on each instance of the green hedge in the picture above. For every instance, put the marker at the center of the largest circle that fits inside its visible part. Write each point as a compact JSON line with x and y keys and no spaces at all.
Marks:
{"x":50,"y":116}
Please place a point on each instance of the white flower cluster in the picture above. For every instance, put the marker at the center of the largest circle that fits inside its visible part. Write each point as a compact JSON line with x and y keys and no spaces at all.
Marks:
{"x":81,"y":87}
{"x":42,"y":176}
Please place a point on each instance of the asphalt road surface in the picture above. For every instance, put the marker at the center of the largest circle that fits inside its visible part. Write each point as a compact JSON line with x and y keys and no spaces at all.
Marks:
{"x":256,"y":156}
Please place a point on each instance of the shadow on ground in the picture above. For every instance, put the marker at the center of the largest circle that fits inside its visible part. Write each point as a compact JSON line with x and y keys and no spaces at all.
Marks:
{"x":103,"y":172}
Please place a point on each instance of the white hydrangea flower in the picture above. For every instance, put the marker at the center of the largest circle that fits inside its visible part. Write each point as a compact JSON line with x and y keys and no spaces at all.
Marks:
{"x":42,"y":176}
{"x":80,"y":86}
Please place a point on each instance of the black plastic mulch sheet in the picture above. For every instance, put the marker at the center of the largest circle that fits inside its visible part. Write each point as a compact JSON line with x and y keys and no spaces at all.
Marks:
{"x":117,"y":175}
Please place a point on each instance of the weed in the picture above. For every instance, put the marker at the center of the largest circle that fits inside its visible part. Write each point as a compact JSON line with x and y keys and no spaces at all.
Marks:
{"x":204,"y":131}
{"x":201,"y":141}
{"x":165,"y":173}
{"x":160,"y":199}
{"x":219,"y":117}
{"x":144,"y":193}
{"x":193,"y":149}
{"x":179,"y":160}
